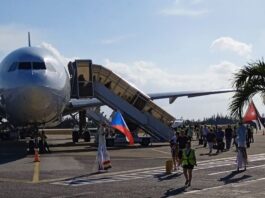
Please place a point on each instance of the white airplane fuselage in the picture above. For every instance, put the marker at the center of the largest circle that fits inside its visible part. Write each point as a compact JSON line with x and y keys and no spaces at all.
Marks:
{"x":34,"y":87}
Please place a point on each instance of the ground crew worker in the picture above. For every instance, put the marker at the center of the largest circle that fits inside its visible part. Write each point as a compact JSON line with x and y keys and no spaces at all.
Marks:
{"x":44,"y":143}
{"x":188,"y":163}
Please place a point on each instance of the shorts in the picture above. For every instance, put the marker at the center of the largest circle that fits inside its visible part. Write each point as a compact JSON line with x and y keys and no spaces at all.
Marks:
{"x":189,"y":166}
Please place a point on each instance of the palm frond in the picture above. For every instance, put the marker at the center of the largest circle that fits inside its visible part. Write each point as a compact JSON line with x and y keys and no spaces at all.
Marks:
{"x":249,"y":81}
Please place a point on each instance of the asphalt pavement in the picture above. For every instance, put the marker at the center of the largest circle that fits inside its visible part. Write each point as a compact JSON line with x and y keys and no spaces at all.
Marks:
{"x":71,"y":171}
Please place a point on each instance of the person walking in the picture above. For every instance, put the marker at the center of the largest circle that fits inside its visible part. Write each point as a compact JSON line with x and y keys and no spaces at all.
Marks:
{"x":188,"y":163}
{"x":248,"y":136}
{"x":252,"y":134}
{"x":103,"y":157}
{"x":242,"y":143}
{"x":220,"y":139}
{"x":181,"y":141}
{"x":174,"y":149}
{"x":205,"y":132}
{"x":190,"y":132}
{"x":228,"y":137}
{"x":235,"y":137}
{"x":211,"y":139}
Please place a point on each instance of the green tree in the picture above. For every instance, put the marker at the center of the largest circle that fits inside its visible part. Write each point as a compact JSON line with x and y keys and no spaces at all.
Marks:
{"x":248,"y":81}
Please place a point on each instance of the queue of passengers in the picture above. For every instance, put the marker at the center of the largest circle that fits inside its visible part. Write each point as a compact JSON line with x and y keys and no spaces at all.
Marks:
{"x":214,"y":137}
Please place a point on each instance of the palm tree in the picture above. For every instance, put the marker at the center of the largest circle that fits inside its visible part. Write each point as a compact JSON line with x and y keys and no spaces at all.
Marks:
{"x":248,"y":81}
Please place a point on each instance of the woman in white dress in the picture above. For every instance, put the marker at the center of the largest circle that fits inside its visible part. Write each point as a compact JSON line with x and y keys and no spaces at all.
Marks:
{"x":103,"y":157}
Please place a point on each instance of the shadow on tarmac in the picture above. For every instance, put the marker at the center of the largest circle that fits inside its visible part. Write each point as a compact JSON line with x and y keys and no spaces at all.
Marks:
{"x":93,"y":147}
{"x":230,"y":178}
{"x":11,"y":151}
{"x":165,"y":176}
{"x":173,"y":192}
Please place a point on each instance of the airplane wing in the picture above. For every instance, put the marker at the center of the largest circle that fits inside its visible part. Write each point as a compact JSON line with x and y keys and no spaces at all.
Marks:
{"x":79,"y":104}
{"x":174,"y":95}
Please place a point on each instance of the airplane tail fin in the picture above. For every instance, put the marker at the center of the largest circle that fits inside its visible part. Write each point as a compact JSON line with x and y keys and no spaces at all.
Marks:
{"x":29,"y":43}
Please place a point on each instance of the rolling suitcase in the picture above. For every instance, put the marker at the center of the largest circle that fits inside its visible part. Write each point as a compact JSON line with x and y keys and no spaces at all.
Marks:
{"x":169,"y":166}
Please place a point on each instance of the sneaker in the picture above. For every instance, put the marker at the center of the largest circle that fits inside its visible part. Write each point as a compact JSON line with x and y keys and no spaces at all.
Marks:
{"x":186,"y":183}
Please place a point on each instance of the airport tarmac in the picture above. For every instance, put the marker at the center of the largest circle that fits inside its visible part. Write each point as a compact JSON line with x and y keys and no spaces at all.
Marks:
{"x":70,"y":171}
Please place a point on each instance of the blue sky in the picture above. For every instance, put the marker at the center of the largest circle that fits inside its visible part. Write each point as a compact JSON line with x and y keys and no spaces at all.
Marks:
{"x":159,"y":45}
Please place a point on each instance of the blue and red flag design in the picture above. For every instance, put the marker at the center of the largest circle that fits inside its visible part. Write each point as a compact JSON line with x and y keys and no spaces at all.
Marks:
{"x":119,"y":124}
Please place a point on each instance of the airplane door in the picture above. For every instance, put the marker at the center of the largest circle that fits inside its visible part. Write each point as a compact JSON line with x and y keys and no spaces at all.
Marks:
{"x":84,"y":78}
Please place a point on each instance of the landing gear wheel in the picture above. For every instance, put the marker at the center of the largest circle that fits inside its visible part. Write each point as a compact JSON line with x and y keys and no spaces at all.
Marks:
{"x":145,"y":141}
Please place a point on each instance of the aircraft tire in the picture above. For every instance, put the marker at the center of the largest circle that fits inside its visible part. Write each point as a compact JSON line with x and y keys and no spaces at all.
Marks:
{"x":145,"y":141}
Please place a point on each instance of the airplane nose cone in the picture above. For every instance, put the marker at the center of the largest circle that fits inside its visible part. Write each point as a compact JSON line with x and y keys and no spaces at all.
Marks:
{"x":32,"y":104}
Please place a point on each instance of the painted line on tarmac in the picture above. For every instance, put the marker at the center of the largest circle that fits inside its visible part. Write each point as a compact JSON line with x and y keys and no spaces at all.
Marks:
{"x":36,"y":174}
{"x":52,"y":180}
{"x":164,"y":152}
{"x":14,"y":180}
{"x":251,"y":167}
{"x":136,"y":174}
{"x":229,"y":158}
{"x":227,"y":185}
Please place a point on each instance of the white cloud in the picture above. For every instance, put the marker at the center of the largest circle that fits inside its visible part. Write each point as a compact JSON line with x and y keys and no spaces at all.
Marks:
{"x":230,"y":44}
{"x":224,"y":68}
{"x":55,"y":52}
{"x":151,"y":78}
{"x":184,"y":8}
{"x":61,"y":58}
{"x":148,"y":76}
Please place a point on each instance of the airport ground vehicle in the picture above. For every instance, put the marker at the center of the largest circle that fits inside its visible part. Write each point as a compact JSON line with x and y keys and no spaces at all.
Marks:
{"x":119,"y":139}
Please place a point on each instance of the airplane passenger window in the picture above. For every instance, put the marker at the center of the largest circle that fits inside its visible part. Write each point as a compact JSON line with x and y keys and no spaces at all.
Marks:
{"x":13,"y":67}
{"x":24,"y":65}
{"x":38,"y":65}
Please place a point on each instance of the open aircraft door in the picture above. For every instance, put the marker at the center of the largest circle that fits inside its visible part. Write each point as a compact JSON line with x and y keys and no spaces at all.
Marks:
{"x":81,"y":79}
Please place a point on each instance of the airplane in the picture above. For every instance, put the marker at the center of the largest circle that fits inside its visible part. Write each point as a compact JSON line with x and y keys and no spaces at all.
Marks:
{"x":35,"y":89}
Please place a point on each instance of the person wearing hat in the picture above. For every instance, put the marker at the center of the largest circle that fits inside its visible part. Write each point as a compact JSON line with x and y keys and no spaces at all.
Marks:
{"x":188,"y":162}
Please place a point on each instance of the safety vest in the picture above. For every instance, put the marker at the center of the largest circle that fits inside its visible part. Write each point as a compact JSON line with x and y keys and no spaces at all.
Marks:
{"x":189,"y":159}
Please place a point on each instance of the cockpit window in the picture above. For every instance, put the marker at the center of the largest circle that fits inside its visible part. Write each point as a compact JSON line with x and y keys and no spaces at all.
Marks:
{"x":13,"y":67}
{"x":29,"y":66}
{"x":38,"y":65}
{"x":24,"y":65}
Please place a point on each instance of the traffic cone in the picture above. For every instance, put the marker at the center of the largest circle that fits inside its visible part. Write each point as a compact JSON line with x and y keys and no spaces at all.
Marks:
{"x":36,"y":155}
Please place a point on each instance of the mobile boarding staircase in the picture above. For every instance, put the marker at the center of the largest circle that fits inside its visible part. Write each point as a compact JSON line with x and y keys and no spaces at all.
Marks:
{"x":95,"y":81}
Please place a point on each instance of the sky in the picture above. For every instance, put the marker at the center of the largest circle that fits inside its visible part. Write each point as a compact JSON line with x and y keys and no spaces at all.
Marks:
{"x":158,"y":45}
